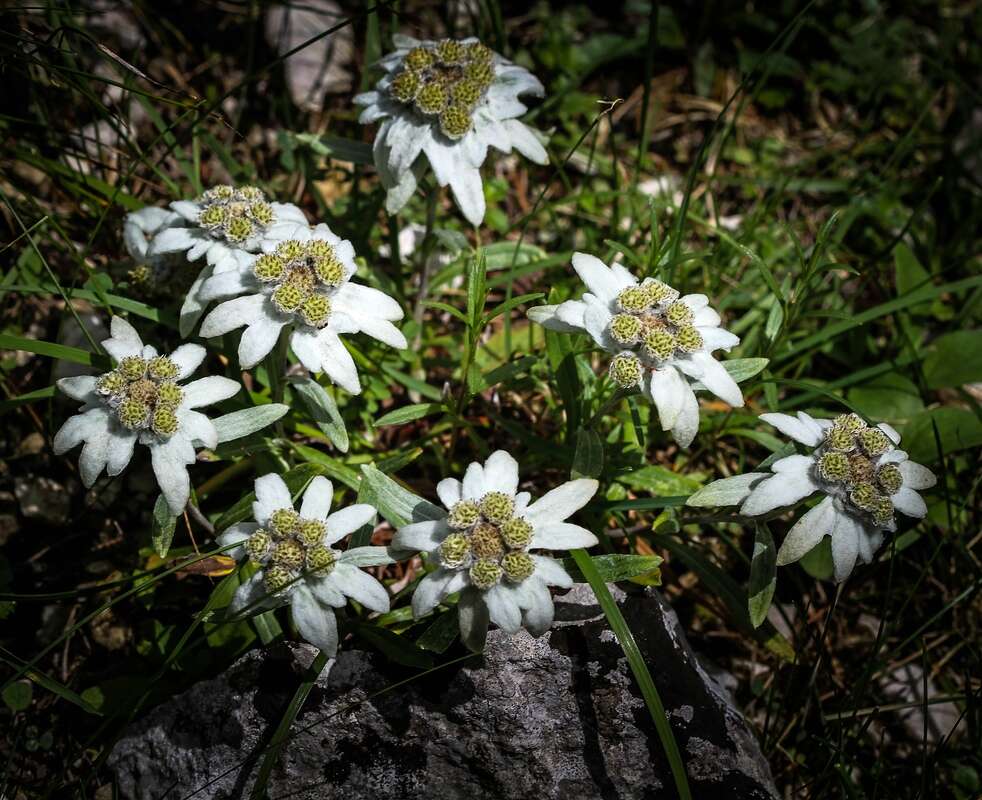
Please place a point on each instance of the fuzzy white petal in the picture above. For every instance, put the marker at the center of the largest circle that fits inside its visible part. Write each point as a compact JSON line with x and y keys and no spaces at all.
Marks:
{"x":119,"y":450}
{"x":501,"y":473}
{"x":562,"y":536}
{"x":473,"y":488}
{"x":232,"y":314}
{"x":315,"y":622}
{"x":794,"y":428}
{"x":172,"y":474}
{"x":916,"y":476}
{"x":667,"y":388}
{"x":686,"y":424}
{"x":125,"y":341}
{"x":561,"y":502}
{"x":422,"y":536}
{"x":715,"y":378}
{"x":473,"y":618}
{"x":550,"y":571}
{"x":792,"y":483}
{"x":599,"y":279}
{"x":430,"y":591}
{"x":808,"y":532}
{"x":347,"y":520}
{"x":272,"y":494}
{"x":317,"y":497}
{"x":845,"y":544}
{"x":909,"y":502}
{"x":449,"y":491}
{"x":503,"y":608}
{"x":212,"y":389}
{"x":361,"y":586}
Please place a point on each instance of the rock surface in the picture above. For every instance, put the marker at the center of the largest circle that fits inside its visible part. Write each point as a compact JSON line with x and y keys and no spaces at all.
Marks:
{"x":556,"y":717}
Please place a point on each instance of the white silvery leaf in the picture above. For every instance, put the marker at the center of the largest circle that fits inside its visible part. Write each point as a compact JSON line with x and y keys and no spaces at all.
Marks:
{"x":237,"y":424}
{"x":726,"y":491}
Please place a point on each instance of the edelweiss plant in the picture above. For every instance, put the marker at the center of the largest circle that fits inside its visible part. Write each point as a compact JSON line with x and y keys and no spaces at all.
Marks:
{"x":224,"y":225}
{"x":297,"y":563}
{"x":304,"y":283}
{"x":659,"y":341}
{"x":167,"y":274}
{"x":864,"y":477}
{"x":142,"y":400}
{"x":448,"y":101}
{"x":481,"y":549}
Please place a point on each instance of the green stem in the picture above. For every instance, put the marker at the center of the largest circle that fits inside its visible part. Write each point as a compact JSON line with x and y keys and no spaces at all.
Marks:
{"x":640,"y":670}
{"x":275,"y":372}
{"x":282,"y":732}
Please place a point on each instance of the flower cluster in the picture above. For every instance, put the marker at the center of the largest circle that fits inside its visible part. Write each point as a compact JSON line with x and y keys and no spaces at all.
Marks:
{"x":447,"y":101}
{"x":304,"y":283}
{"x":142,"y":400}
{"x":285,"y":281}
{"x":240,"y":216}
{"x":656,"y":338}
{"x":481,"y":548}
{"x":224,"y":225}
{"x":864,"y":477}
{"x":297,"y":564}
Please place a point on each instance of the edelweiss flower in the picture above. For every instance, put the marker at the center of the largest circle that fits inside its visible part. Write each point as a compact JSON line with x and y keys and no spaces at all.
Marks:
{"x":482,"y":548}
{"x":297,"y":564}
{"x":225,"y":224}
{"x":450,"y":101}
{"x":143,"y":400}
{"x":165,"y":274}
{"x":303,"y":282}
{"x":864,"y":478}
{"x":657,"y":338}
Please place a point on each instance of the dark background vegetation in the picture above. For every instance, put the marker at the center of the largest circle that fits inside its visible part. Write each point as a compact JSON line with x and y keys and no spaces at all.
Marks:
{"x":837,"y":143}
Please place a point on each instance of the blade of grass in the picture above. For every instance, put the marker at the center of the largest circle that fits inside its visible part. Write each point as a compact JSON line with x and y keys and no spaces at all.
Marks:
{"x":640,"y":670}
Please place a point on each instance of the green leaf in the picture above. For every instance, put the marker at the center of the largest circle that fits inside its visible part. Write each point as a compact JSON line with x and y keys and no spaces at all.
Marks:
{"x":503,"y":373}
{"x":162,"y":528}
{"x":888,"y":398}
{"x":954,"y":359}
{"x":336,"y":147}
{"x":441,"y":634}
{"x":588,"y":462}
{"x":398,"y":505}
{"x":247,"y":421}
{"x":408,"y":413}
{"x":743,"y":369}
{"x":817,"y":562}
{"x":17,"y":696}
{"x":476,"y":287}
{"x":829,"y":332}
{"x":660,"y":481}
{"x":456,"y":313}
{"x":324,"y":411}
{"x":618,"y":567}
{"x":638,"y":668}
{"x":28,"y":397}
{"x":331,"y":467}
{"x":52,"y":350}
{"x":508,"y":305}
{"x":296,"y":479}
{"x":958,"y":429}
{"x":910,"y":275}
{"x":399,"y":649}
{"x":763,"y":575}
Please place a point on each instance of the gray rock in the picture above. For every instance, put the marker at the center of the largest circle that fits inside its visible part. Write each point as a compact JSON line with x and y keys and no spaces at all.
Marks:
{"x":43,"y":499}
{"x":556,"y":717}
